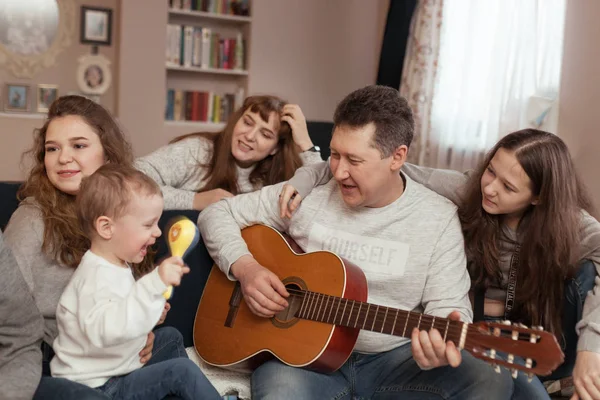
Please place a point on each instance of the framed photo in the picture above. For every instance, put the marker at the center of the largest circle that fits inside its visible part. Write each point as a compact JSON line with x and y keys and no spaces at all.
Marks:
{"x":16,"y":97}
{"x":46,"y":94}
{"x":96,"y":26}
{"x":93,"y":74}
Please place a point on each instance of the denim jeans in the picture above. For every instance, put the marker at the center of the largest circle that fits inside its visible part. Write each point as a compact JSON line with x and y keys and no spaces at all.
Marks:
{"x":576,"y":290}
{"x":51,"y":388}
{"x":168,"y":373}
{"x":63,"y":389}
{"x":389,"y":375}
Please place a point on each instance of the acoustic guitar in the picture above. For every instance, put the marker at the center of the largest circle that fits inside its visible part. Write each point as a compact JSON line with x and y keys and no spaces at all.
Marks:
{"x":327,"y":309}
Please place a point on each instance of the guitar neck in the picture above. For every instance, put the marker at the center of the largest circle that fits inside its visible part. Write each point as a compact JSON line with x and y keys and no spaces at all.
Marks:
{"x":392,"y":321}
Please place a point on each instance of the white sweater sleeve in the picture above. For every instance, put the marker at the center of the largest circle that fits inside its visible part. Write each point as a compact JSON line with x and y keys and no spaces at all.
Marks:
{"x":177,"y":165}
{"x":445,"y":182}
{"x":305,"y":179}
{"x":109,"y":320}
{"x":221,"y":223}
{"x":448,"y":281}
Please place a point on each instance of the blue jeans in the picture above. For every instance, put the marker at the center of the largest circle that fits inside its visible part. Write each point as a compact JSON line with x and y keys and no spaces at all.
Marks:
{"x":390,"y":375}
{"x":168,"y":373}
{"x":575,"y":293}
{"x":51,"y":388}
{"x":63,"y":389}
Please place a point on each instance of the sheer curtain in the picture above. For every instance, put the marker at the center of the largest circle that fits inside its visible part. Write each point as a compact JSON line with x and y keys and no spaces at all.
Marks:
{"x":419,"y":72}
{"x":496,"y":58}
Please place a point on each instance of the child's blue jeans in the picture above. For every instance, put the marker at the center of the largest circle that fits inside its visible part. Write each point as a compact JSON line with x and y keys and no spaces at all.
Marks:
{"x":169,"y":373}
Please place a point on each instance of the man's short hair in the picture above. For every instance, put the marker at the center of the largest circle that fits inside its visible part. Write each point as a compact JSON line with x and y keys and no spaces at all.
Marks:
{"x":109,"y":191}
{"x":386,"y":109}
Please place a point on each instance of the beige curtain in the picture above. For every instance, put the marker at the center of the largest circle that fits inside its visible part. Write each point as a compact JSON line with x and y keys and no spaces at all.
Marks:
{"x":418,"y":74}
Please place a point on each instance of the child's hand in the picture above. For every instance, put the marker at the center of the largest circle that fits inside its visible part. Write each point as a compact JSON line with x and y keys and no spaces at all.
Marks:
{"x":163,"y":316}
{"x":171,"y":270}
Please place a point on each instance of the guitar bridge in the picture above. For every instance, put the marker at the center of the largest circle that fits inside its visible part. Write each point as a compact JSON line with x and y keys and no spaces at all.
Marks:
{"x":234,"y":305}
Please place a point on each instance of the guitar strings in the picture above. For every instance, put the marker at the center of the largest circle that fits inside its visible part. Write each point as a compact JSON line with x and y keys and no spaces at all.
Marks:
{"x":439,"y":323}
{"x":453,"y":330}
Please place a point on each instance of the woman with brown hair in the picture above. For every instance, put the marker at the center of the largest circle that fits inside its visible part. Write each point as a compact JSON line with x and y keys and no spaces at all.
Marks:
{"x":44,"y":234}
{"x":263,"y":143}
{"x":533,"y":249}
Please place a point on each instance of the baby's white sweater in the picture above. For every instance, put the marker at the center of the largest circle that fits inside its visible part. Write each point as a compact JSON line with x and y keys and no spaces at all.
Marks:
{"x":104,"y":317}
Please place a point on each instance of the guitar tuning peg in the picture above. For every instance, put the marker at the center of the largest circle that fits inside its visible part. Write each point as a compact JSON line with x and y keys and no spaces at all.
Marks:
{"x":530,"y":377}
{"x":505,"y":322}
{"x":533,"y":338}
{"x":528,"y":362}
{"x":539,"y":328}
{"x":515,"y":373}
{"x":496,"y":368}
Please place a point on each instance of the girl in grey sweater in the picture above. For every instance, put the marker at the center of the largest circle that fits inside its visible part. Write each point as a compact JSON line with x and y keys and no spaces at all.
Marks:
{"x":524,"y":203}
{"x":263,"y":143}
{"x":44,"y":235}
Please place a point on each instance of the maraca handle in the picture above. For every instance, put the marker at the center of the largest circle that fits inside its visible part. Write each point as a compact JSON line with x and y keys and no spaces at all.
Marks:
{"x":168,"y":293}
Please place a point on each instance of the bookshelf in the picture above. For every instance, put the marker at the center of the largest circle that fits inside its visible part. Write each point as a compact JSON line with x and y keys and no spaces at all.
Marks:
{"x":220,"y":71}
{"x":210,"y":16}
{"x":206,"y":62}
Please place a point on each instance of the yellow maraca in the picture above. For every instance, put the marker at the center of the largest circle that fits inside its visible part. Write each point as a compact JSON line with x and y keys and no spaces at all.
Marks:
{"x":182,"y":236}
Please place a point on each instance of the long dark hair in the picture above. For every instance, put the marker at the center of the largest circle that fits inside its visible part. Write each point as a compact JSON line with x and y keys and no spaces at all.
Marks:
{"x":548,"y":231}
{"x":272,"y":169}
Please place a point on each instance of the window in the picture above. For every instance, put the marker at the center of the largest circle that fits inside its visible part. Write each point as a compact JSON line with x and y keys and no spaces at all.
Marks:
{"x":496,"y":57}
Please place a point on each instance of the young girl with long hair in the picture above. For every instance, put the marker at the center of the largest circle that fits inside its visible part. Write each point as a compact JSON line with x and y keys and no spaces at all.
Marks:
{"x":263,"y":143}
{"x":523,"y":210}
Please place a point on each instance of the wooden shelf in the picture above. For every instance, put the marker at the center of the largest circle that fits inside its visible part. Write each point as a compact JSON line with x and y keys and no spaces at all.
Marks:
{"x":220,"y":71}
{"x":24,"y":115}
{"x":209,"y":15}
{"x":213,"y":126}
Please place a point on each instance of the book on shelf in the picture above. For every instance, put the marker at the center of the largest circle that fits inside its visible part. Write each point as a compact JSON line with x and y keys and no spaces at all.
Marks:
{"x":228,"y":7}
{"x":193,"y":105}
{"x":194,"y":46}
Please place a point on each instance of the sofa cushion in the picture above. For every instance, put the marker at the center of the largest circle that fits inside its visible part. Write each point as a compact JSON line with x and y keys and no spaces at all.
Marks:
{"x":320,"y":133}
{"x":8,"y":196}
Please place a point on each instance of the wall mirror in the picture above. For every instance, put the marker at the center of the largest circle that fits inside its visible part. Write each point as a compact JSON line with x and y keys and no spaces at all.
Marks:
{"x":33,"y":33}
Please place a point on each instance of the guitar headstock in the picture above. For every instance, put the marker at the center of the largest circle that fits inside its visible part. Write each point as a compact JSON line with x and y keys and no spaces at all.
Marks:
{"x":539,"y":349}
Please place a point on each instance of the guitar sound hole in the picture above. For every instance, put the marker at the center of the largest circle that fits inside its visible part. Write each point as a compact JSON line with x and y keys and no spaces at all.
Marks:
{"x":287,"y":317}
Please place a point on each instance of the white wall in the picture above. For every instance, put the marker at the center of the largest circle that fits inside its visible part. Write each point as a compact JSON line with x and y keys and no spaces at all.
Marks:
{"x":578,"y":122}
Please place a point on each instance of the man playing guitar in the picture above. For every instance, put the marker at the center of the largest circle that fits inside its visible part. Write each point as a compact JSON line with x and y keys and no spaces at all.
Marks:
{"x":406,"y":239}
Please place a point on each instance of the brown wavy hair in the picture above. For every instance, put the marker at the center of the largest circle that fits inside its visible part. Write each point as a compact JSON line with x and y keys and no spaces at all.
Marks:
{"x":548,"y":231}
{"x":273,"y":169}
{"x":64,"y":240}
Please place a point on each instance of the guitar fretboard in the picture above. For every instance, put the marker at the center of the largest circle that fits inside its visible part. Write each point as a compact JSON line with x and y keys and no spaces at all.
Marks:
{"x":392,"y":321}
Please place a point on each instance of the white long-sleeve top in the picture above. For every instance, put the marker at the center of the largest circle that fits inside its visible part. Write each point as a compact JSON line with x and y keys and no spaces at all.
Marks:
{"x":104,"y":317}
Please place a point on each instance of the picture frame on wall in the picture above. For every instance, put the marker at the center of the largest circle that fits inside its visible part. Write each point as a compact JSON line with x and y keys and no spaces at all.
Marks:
{"x":93,"y":74}
{"x":16,"y":97}
{"x":46,"y":94}
{"x":96,"y":26}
